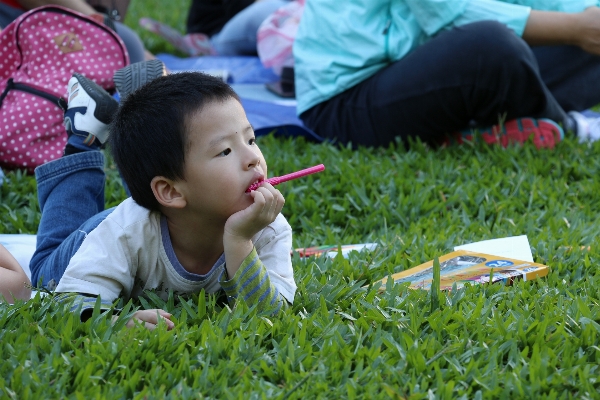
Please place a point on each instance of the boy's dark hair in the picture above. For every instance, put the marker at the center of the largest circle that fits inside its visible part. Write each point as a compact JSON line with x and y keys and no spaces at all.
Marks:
{"x":148,"y":136}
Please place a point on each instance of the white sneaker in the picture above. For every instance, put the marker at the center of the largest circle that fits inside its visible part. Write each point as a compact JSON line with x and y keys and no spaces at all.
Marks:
{"x":586,"y":128}
{"x":90,"y":110}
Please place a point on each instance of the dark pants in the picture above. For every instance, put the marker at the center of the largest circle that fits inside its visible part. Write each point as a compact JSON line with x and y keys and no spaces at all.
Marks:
{"x":470,"y":76}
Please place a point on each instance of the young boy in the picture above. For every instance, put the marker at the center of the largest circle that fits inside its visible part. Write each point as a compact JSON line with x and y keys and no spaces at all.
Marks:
{"x":187,"y":153}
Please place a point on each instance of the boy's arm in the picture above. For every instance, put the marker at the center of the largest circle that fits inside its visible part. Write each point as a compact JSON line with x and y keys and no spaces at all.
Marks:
{"x":14,"y":283}
{"x":245,"y":274}
{"x":266,"y":276}
{"x":253,"y":284}
{"x":86,"y":303}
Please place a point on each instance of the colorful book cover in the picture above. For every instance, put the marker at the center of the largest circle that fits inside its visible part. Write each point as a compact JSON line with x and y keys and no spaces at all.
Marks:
{"x":463,"y":266}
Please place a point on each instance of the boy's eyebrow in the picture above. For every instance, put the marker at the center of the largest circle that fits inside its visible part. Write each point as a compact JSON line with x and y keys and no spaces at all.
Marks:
{"x":215,"y":142}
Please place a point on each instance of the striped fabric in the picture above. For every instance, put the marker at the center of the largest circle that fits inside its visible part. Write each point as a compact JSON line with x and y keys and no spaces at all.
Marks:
{"x":252,"y":283}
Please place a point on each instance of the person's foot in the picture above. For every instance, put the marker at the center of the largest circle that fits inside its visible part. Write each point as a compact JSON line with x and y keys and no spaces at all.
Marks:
{"x":133,"y":76}
{"x":89,"y":111}
{"x":544,"y":133}
{"x":586,"y":127}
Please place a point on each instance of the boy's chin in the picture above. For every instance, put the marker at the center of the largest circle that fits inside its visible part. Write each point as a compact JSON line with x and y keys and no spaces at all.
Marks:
{"x":245,"y":203}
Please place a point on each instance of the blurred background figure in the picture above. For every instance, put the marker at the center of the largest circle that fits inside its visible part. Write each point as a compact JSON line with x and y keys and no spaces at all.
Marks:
{"x":218,"y":27}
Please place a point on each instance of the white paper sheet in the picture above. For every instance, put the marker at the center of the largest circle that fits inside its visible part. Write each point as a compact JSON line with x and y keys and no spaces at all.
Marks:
{"x":515,"y":247}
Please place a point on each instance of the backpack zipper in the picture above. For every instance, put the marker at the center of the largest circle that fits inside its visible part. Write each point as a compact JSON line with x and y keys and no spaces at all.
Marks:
{"x":10,"y":85}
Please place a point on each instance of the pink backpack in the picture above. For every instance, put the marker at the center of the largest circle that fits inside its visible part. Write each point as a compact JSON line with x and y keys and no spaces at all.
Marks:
{"x":39,"y":51}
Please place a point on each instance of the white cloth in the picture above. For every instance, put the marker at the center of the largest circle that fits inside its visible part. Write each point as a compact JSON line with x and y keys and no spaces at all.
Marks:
{"x":130,"y":251}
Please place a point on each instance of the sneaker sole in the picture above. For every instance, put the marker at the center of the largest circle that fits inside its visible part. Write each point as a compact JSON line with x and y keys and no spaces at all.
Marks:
{"x":543,"y":132}
{"x":106,"y":105}
{"x":129,"y":79}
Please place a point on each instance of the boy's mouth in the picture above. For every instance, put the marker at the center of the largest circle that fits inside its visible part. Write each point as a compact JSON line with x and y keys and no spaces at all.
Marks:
{"x":255,"y":184}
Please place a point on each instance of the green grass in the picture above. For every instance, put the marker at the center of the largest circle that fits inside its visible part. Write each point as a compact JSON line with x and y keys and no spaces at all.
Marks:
{"x":537,"y":339}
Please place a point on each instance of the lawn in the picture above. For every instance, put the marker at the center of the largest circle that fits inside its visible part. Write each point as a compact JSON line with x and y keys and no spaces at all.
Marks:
{"x":343,"y":337}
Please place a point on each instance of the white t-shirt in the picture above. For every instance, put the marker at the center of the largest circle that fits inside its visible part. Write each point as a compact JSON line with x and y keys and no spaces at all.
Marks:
{"x":131,"y":251}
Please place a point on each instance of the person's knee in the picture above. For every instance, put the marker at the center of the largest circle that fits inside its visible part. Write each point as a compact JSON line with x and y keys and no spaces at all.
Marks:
{"x":495,"y":41}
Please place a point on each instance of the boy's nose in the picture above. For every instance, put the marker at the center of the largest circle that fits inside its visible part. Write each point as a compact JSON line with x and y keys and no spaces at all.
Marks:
{"x":254,"y":160}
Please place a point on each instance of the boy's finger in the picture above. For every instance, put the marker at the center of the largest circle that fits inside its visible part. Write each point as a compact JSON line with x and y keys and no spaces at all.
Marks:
{"x":170,"y":324}
{"x":150,"y":326}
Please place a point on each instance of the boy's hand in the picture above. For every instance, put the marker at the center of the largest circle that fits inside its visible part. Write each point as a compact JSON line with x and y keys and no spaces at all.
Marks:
{"x":241,"y":226}
{"x":268,"y":203}
{"x":150,"y":318}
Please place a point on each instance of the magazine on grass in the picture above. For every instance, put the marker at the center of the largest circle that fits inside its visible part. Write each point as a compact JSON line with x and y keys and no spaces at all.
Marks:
{"x":462,"y":266}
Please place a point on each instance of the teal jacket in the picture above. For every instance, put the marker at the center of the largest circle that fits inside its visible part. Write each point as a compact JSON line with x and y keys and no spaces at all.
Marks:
{"x":341,"y":43}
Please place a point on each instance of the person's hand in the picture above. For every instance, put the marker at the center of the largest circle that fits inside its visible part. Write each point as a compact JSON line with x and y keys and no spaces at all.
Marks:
{"x":550,"y":28}
{"x":98,"y":17}
{"x":588,"y":30}
{"x":150,"y":319}
{"x":241,"y":226}
{"x":268,"y":203}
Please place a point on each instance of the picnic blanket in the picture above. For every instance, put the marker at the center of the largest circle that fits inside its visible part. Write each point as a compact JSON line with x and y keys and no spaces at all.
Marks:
{"x":267,"y":112}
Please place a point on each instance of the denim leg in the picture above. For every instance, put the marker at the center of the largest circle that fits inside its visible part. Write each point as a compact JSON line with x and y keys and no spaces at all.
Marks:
{"x":8,"y":14}
{"x":132,"y":42}
{"x":238,"y":36}
{"x":71,"y":194}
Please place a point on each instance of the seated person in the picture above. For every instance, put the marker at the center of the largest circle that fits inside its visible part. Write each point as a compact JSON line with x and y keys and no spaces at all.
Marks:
{"x":219,"y":27}
{"x":14,"y":283}
{"x":371,"y":72}
{"x":188,"y":154}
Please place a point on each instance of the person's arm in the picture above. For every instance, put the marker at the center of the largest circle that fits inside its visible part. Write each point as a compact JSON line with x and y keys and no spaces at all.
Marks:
{"x":556,"y":28}
{"x":245,"y":275}
{"x":253,"y":284}
{"x":266,"y":277}
{"x":14,"y":283}
{"x":243,"y":225}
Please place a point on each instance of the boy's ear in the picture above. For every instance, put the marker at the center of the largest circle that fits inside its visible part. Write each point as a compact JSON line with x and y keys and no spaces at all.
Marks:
{"x":166,"y":193}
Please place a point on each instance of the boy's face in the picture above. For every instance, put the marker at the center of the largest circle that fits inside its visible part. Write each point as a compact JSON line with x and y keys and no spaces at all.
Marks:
{"x":222,"y":161}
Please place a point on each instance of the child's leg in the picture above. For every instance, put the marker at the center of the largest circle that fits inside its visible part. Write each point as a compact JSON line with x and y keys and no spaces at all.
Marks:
{"x":71,"y":189}
{"x":70,"y":192}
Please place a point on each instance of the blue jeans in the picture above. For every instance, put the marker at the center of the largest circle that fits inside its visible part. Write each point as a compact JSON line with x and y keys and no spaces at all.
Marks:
{"x":238,"y":36}
{"x":71,"y":197}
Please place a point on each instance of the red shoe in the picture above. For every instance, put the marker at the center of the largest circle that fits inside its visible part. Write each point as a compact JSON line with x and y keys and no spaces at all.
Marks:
{"x":545,"y":133}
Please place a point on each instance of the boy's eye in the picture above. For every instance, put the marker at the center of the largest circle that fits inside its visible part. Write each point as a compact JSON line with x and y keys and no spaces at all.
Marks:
{"x":252,"y":141}
{"x":224,"y":153}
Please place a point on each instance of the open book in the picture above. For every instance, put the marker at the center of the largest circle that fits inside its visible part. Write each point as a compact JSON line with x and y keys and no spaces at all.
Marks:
{"x":463,"y":266}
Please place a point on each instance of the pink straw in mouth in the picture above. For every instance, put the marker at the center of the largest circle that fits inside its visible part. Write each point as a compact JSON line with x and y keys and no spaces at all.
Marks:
{"x":276,"y":180}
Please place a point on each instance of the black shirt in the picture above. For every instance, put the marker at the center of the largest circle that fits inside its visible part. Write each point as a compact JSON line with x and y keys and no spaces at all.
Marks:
{"x":209,"y":16}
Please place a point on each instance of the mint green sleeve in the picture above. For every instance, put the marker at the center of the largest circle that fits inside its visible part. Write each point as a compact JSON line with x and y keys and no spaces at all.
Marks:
{"x":435,"y":15}
{"x":251,"y":282}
